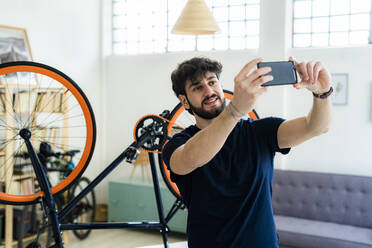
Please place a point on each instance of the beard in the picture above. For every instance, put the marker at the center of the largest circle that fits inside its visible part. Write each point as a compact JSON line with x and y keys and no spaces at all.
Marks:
{"x":205,"y":114}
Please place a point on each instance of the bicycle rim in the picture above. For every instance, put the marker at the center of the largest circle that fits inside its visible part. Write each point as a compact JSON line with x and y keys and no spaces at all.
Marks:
{"x":53,"y":107}
{"x":180,"y":119}
{"x":85,"y":210}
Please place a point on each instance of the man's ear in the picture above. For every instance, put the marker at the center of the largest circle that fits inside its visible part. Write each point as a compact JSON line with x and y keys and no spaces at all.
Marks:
{"x":184,"y":101}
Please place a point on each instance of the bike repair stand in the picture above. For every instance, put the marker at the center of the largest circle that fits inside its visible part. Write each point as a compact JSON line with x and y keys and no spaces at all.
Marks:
{"x":151,"y":133}
{"x":42,"y":178}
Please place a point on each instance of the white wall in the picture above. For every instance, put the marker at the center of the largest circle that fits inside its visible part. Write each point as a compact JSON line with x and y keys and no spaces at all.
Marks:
{"x":139,"y":85}
{"x":346,"y":148}
{"x":65,"y":35}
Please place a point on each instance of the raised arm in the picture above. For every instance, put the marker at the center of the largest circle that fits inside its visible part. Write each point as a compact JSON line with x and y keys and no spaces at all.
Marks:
{"x":315,"y":78}
{"x":204,"y":145}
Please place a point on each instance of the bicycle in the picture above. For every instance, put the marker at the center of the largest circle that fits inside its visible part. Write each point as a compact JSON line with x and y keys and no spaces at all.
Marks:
{"x":86,"y":208}
{"x":150,"y":133}
{"x":53,"y":161}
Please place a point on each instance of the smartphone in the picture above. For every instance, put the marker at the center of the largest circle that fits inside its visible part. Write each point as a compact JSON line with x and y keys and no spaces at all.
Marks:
{"x":284,"y":72}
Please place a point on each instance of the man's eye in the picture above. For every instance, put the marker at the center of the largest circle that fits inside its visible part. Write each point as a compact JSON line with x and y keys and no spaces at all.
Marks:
{"x":213,"y":82}
{"x":197,"y":88}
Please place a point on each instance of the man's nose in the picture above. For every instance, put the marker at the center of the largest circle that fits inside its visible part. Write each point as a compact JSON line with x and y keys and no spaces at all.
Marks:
{"x":208,"y":90}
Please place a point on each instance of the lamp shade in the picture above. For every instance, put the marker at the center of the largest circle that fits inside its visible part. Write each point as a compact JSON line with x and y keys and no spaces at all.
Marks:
{"x":195,"y":19}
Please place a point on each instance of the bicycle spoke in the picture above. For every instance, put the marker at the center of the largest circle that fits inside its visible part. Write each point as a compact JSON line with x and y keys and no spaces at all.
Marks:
{"x":65,"y":127}
{"x":55,"y":120}
{"x":46,"y":90}
{"x":50,"y":113}
{"x":36,"y":98}
{"x":17,"y":95}
{"x":57,"y":145}
{"x":45,"y":104}
{"x":29,"y":77}
{"x":65,"y":118}
{"x":62,"y":104}
{"x":8,"y":141}
{"x":39,"y":98}
{"x":7,"y":127}
{"x":8,"y":102}
{"x":7,"y":169}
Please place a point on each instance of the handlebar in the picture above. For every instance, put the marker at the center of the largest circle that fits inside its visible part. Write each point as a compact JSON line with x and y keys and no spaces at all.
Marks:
{"x":68,"y":153}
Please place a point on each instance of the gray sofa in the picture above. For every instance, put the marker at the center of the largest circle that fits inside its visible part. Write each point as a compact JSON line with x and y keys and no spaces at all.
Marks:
{"x":316,"y":210}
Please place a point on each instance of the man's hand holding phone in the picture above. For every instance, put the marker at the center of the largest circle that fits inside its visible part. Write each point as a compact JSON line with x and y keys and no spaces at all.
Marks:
{"x":248,"y":86}
{"x":314,"y":76}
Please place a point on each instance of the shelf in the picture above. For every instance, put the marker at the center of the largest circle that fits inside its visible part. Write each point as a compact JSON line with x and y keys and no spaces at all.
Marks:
{"x":26,"y":86}
{"x":36,"y":112}
{"x":18,"y":100}
{"x":29,"y":86}
{"x":20,"y":177}
{"x":48,"y":112}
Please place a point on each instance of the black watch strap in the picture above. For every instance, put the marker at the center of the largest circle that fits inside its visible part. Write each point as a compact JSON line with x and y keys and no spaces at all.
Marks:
{"x":324,"y":95}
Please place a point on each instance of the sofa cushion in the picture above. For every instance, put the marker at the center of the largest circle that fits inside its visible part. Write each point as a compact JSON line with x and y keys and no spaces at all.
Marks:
{"x":342,"y":199}
{"x":306,"y":233}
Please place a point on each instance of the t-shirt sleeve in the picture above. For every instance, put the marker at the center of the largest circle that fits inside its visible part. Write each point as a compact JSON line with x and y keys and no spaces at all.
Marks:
{"x":268,"y":128}
{"x":176,"y":141}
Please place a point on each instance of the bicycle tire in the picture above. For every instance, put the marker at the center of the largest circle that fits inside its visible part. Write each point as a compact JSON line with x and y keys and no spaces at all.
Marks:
{"x":87,"y":204}
{"x":176,"y":125}
{"x":46,"y":87}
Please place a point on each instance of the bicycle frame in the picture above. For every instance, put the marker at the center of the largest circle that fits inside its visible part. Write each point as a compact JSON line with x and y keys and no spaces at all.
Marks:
{"x":130,"y":155}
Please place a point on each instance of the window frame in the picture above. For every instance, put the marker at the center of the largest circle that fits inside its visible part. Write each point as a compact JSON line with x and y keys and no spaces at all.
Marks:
{"x":197,"y":46}
{"x":329,"y":32}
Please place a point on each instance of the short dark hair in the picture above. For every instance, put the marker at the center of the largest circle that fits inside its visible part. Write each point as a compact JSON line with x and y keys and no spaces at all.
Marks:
{"x":193,"y":69}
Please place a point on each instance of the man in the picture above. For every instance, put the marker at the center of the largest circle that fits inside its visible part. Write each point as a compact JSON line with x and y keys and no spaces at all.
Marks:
{"x":223,"y":165}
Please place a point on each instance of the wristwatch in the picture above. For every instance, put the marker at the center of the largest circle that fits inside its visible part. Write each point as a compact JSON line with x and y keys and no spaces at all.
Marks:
{"x":324,"y":95}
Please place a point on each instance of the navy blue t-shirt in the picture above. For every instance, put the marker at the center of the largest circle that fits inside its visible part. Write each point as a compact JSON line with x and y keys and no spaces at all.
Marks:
{"x":229,"y":199}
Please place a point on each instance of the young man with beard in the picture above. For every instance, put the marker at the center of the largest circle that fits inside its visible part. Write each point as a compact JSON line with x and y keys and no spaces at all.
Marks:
{"x":223,"y":165}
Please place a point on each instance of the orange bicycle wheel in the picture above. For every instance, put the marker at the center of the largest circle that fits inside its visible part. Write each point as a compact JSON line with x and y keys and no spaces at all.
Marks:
{"x":180,"y":119}
{"x":45,"y":101}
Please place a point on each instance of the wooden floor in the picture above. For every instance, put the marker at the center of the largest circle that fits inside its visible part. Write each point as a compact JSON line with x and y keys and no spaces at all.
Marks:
{"x":122,"y":239}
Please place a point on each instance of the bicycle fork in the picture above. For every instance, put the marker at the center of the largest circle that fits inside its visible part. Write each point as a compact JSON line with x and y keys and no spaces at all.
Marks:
{"x":45,"y":188}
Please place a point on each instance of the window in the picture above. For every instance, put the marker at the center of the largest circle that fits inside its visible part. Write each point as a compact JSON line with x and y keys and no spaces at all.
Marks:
{"x":138,"y":26}
{"x":319,"y":23}
{"x":143,"y":26}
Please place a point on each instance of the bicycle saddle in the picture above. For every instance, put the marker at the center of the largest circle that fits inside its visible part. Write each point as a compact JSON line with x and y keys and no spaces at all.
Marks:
{"x":45,"y":149}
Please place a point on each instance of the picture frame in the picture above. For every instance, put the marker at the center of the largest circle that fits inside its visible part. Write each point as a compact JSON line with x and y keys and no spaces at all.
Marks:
{"x":340,"y":88}
{"x":14,"y":44}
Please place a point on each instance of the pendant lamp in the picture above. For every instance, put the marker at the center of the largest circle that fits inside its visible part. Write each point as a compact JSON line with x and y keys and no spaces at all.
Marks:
{"x":195,"y":19}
